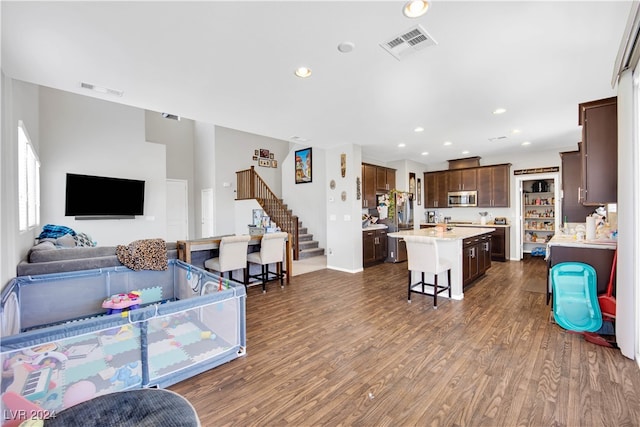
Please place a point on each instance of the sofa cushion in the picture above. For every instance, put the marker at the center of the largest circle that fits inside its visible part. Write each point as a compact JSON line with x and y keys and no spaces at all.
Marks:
{"x":77,"y":252}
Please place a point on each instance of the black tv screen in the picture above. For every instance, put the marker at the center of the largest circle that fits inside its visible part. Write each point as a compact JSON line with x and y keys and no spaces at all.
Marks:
{"x":99,"y":196}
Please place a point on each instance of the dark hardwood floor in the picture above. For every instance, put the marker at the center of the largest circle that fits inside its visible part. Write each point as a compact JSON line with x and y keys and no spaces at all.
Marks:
{"x":335,"y":348}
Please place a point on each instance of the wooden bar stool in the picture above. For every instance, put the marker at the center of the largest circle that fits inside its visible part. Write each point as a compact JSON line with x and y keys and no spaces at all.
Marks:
{"x":423,"y":257}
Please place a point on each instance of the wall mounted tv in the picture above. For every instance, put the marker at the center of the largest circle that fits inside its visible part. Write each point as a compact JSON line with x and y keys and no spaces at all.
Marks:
{"x":99,"y":197}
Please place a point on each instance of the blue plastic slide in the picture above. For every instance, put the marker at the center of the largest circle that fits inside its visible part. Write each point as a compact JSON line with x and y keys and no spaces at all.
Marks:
{"x":575,"y":297}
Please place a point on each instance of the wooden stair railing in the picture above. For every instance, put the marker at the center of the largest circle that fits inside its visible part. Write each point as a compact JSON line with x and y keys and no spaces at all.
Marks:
{"x":251,"y":186}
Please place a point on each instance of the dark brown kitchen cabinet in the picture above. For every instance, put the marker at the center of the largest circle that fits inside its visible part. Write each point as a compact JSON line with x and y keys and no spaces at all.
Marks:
{"x":435,"y":189}
{"x":462,"y":179}
{"x":374,"y":246}
{"x":572,"y":209}
{"x":385,"y":179}
{"x":476,"y":257}
{"x":599,"y":151}
{"x":500,"y":244}
{"x":368,"y":186}
{"x":493,"y":185}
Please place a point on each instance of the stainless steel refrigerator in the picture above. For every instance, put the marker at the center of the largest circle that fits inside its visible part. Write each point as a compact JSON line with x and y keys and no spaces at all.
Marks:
{"x":402,"y":220}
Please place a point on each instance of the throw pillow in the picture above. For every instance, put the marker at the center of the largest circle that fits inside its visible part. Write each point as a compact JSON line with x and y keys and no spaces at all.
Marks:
{"x":66,"y":241}
{"x":83,"y":239}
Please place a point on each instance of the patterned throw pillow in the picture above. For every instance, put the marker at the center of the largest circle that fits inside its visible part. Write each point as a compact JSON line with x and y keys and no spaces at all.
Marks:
{"x":83,"y":239}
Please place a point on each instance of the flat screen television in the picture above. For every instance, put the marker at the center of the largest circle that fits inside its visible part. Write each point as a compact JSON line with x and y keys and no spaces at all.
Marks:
{"x":89,"y":197}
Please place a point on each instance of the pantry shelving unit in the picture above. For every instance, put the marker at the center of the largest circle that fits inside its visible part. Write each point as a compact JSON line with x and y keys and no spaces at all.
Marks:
{"x":540,"y":215}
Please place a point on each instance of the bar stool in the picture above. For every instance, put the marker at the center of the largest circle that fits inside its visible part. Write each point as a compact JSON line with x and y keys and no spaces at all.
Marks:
{"x":232,"y":255}
{"x":423,"y":257}
{"x":271,"y":252}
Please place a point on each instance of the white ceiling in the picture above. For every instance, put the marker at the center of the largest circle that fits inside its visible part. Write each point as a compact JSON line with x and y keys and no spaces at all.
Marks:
{"x":232,"y":64}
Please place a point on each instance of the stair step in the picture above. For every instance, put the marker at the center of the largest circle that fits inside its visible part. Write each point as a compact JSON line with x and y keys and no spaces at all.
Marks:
{"x":310,"y":253}
{"x":308,"y":244}
{"x":302,"y":230}
{"x":305,"y":237}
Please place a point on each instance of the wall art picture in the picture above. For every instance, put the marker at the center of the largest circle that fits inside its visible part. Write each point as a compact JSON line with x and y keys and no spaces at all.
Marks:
{"x":264,"y":153}
{"x":303,"y":166}
{"x":274,"y":163}
{"x":264,"y":162}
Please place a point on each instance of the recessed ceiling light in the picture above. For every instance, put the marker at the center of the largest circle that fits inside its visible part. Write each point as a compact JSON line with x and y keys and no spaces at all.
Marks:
{"x":499,"y":111}
{"x":448,"y":143}
{"x":303,"y":72}
{"x":425,"y":153}
{"x":415,"y":8}
{"x":402,"y":144}
{"x":419,"y":129}
{"x":297,"y":138}
{"x":346,"y":47}
{"x":465,"y":152}
{"x":526,"y":143}
{"x":515,"y":131}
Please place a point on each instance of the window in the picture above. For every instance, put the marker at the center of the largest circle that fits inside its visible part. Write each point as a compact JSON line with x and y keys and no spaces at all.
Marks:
{"x":28,"y":181}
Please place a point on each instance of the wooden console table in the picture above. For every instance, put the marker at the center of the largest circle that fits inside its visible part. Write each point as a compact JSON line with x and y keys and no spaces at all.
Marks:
{"x":185,"y":247}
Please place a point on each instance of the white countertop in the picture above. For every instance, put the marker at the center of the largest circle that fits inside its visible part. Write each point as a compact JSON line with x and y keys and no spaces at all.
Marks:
{"x":563,"y":240}
{"x":456,"y":233}
{"x":375,"y":227}
{"x":473,"y":224}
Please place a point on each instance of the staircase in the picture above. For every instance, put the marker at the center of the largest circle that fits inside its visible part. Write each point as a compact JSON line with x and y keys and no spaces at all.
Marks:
{"x":308,"y":247}
{"x":251,"y":186}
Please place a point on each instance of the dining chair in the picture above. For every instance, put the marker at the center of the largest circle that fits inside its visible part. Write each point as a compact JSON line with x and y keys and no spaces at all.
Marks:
{"x":271,"y":252}
{"x":423,"y":257}
{"x":232,"y":255}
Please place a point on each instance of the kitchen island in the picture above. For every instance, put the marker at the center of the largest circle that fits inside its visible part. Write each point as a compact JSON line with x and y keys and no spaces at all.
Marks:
{"x":467,"y":248}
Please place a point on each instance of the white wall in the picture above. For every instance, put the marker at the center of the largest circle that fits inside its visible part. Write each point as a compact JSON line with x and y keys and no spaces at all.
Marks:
{"x":628,"y":270}
{"x":90,"y":136}
{"x":204,"y":174}
{"x":178,"y":138}
{"x":344,"y":222}
{"x":19,"y":102}
{"x":234,"y":152}
{"x":308,"y":201}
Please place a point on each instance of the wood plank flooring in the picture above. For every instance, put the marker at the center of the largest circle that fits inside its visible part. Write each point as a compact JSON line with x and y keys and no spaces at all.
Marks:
{"x":341,"y":349}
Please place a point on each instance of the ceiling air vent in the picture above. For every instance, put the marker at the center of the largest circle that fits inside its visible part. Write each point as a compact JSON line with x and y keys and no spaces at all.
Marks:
{"x":411,"y":41}
{"x":170,"y":116}
{"x":101,"y":89}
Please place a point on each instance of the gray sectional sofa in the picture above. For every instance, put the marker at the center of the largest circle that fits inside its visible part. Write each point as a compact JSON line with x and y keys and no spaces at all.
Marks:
{"x":46,"y":258}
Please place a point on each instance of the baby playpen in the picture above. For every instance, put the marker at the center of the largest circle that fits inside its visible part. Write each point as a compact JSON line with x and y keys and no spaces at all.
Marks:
{"x":59,"y":347}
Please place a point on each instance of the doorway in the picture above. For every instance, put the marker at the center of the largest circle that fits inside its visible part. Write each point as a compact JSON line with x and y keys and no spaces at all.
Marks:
{"x":177,"y":210}
{"x":538,"y":211}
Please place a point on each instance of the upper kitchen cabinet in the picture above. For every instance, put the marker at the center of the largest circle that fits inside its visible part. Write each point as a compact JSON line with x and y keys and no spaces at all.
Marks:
{"x":368,"y":186}
{"x":493,"y":186}
{"x":376,"y":180}
{"x":572,"y":209}
{"x":462,"y":180}
{"x":599,"y":151}
{"x":435,"y":189}
{"x":385,"y":179}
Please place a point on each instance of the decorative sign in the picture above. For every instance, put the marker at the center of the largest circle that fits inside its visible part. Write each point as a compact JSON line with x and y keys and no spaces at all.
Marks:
{"x":536,"y":170}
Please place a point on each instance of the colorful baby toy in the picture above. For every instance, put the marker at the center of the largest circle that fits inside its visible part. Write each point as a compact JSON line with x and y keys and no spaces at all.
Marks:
{"x":122,"y":302}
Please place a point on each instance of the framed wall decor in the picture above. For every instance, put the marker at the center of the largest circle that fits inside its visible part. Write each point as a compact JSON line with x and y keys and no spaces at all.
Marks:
{"x":274,"y":163}
{"x":303,"y":166}
{"x":264,"y":153}
{"x":264,"y":162}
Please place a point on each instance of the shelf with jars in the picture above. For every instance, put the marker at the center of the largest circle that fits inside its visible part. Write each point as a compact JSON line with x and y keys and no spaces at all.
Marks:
{"x":539,"y":220}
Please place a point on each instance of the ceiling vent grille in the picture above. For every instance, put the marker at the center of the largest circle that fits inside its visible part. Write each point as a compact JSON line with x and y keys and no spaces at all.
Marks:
{"x":411,"y":41}
{"x":101,"y":89}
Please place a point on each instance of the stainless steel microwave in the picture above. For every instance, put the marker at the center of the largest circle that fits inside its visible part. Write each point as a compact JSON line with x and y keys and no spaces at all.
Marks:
{"x":462,"y":198}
